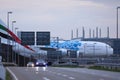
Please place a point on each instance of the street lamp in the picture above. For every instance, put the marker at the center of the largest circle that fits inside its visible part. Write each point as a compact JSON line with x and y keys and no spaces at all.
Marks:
{"x":13,"y":41}
{"x":117,"y":23}
{"x":13,"y":25}
{"x":8,"y":13}
{"x":8,"y":42}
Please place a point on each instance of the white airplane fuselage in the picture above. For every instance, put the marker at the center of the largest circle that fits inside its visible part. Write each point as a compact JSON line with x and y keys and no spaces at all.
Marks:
{"x":81,"y":47}
{"x":84,"y":47}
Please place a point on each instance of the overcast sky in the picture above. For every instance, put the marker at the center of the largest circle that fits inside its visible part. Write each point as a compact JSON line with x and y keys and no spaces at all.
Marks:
{"x":61,"y":16}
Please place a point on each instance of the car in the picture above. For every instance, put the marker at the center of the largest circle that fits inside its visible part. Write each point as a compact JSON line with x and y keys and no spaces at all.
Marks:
{"x":30,"y":64}
{"x":40,"y":63}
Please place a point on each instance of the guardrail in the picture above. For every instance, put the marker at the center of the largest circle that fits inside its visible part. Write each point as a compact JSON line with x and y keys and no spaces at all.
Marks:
{"x":0,"y":58}
{"x":2,"y":71}
{"x":109,"y":65}
{"x":8,"y":64}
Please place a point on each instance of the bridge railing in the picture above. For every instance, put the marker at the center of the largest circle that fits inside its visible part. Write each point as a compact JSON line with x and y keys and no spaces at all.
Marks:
{"x":2,"y":70}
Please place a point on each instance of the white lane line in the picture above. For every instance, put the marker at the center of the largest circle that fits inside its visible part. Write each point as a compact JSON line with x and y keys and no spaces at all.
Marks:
{"x":12,"y":74}
{"x":45,"y":78}
{"x":58,"y":73}
{"x":36,"y":72}
{"x":101,"y":79}
{"x":64,"y":75}
{"x":71,"y":77}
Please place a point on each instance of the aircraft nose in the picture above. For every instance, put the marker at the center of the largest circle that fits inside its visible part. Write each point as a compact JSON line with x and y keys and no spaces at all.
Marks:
{"x":110,"y":50}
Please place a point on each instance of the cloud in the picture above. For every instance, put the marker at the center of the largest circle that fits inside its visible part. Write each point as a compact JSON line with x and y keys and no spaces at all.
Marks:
{"x":46,"y":4}
{"x":104,"y":2}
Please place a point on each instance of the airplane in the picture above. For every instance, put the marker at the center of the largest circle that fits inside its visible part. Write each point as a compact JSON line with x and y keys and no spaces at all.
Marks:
{"x":82,"y":47}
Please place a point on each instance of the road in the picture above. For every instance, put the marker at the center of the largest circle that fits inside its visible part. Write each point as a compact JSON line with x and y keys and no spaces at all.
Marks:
{"x":52,"y":73}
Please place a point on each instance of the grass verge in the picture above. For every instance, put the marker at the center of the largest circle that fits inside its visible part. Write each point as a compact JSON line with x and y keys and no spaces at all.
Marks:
{"x":103,"y":68}
{"x":8,"y":76}
{"x":68,"y":66}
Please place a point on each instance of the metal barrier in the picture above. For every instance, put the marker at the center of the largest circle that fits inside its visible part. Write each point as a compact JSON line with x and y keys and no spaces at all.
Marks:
{"x":2,"y":71}
{"x":109,"y":65}
{"x":0,"y":58}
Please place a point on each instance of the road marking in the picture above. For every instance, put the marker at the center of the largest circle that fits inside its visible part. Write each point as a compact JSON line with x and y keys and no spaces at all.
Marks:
{"x":101,"y":79}
{"x":58,"y":73}
{"x":83,"y":71}
{"x":36,"y":72}
{"x":12,"y":74}
{"x":54,"y":72}
{"x":45,"y":78}
{"x":71,"y":77}
{"x":64,"y":75}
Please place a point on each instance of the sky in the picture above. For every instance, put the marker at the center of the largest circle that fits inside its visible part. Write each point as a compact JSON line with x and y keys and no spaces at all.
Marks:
{"x":61,"y":16}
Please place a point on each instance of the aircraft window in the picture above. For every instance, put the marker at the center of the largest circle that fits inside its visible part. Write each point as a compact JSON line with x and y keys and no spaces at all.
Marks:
{"x":89,"y":46}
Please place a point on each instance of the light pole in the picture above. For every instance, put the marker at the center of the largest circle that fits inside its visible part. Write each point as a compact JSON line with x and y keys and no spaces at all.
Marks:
{"x":13,"y":41}
{"x":13,"y":25}
{"x":117,"y":23}
{"x":8,"y":42}
{"x":8,"y":13}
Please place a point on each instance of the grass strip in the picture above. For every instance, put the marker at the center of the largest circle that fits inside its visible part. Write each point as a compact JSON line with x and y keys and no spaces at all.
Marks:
{"x":103,"y":68}
{"x":8,"y":76}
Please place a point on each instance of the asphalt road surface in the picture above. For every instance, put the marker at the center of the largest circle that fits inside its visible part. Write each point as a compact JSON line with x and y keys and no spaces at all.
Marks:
{"x":52,"y":73}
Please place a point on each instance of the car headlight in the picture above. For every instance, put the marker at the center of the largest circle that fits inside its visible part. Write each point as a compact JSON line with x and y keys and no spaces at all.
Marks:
{"x":44,"y":63}
{"x":32,"y":65}
{"x":37,"y":63}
